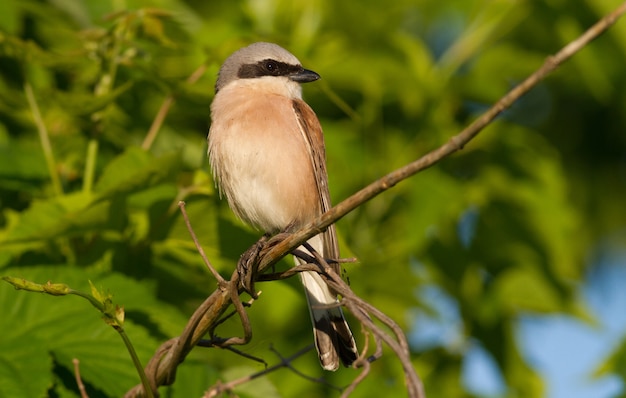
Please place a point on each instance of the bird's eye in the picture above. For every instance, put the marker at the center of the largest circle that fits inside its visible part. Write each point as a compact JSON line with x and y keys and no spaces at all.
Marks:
{"x":271,"y":66}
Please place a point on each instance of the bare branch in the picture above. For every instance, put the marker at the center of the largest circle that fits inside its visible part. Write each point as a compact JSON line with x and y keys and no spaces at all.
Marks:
{"x":243,"y":316}
{"x":79,"y":380}
{"x":245,"y":355}
{"x":357,"y":380}
{"x":216,"y":275}
{"x":229,"y":315}
{"x":285,"y":362}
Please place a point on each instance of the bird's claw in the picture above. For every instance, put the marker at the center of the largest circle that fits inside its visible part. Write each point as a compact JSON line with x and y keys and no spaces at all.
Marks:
{"x":248,"y":265}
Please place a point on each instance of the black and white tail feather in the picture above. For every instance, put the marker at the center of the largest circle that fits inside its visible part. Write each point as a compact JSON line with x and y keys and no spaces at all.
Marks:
{"x":333,"y":338}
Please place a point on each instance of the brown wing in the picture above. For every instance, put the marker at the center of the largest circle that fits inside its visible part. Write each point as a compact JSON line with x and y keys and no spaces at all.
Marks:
{"x":314,"y":138}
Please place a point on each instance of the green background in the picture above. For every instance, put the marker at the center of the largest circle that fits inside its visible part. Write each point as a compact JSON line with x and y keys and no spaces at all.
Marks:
{"x":505,"y":228}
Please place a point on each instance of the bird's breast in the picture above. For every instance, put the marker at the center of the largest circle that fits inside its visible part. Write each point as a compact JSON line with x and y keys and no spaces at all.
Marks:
{"x":261,"y":161}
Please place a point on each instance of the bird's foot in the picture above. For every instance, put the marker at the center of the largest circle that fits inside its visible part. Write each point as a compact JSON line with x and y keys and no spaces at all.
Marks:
{"x":248,"y":265}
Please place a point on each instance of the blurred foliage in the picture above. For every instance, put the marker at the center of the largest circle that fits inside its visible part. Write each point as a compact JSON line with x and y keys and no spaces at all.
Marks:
{"x":503,"y":228}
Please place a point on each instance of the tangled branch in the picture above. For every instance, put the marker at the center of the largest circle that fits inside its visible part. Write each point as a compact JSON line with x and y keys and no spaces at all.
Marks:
{"x":161,"y":369}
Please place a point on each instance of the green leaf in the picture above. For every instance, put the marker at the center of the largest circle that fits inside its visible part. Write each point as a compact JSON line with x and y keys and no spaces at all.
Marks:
{"x":25,"y":366}
{"x":135,"y":170}
{"x":81,"y":104}
{"x":9,"y":16}
{"x":21,"y":161}
{"x":616,"y":363}
{"x":527,"y":290}
{"x":67,"y":327}
{"x":69,"y":215}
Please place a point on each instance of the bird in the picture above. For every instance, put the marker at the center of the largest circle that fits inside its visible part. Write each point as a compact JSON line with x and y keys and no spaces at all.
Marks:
{"x":267,"y":155}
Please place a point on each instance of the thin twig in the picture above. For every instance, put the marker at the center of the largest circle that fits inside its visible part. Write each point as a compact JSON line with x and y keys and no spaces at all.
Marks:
{"x":288,"y":273}
{"x":44,"y":138}
{"x":355,"y":305}
{"x":79,"y":380}
{"x":357,"y":380}
{"x":223,"y":387}
{"x":90,"y":164}
{"x":243,"y":317}
{"x":287,"y":363}
{"x":230,"y":314}
{"x":216,"y":274}
{"x":246,"y":355}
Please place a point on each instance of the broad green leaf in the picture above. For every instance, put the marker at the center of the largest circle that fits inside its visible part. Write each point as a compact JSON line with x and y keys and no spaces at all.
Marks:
{"x":22,"y":161}
{"x":142,"y":306}
{"x":25,"y":365}
{"x":67,"y":327}
{"x":133,"y":171}
{"x":28,"y":51}
{"x":68,"y":215}
{"x":86,"y":103}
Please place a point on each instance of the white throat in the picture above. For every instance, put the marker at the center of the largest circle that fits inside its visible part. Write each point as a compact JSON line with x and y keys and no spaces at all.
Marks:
{"x":270,"y":85}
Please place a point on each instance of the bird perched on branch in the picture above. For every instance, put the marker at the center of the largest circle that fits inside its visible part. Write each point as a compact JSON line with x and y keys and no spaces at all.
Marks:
{"x":266,"y":151}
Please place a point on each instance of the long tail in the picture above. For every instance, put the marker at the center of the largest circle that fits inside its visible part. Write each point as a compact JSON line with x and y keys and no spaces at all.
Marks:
{"x":333,"y":338}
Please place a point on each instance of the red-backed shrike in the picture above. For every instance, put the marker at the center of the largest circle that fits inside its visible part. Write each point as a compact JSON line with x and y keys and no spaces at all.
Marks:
{"x":266,"y":150}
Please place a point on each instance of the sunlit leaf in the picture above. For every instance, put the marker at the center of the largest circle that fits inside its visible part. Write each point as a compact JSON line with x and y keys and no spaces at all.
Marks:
{"x":133,"y":171}
{"x":69,"y":215}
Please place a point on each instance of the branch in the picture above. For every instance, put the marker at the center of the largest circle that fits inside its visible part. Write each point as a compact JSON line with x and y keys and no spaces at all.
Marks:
{"x":44,"y":138}
{"x":284,"y":363}
{"x":79,"y":380}
{"x":216,"y":275}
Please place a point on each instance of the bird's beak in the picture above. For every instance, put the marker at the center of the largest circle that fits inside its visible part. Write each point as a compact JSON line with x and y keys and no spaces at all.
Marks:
{"x":304,"y":76}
